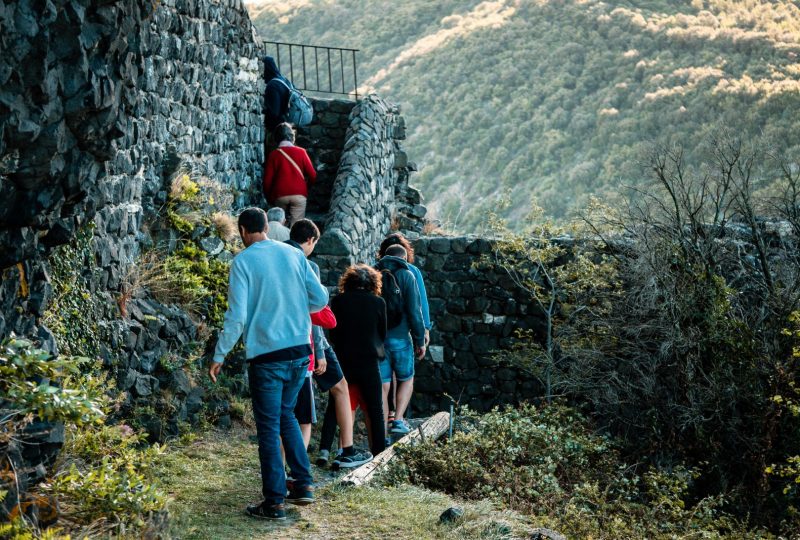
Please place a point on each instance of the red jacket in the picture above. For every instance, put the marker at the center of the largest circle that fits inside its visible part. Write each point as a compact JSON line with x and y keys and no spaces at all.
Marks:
{"x":281,"y":178}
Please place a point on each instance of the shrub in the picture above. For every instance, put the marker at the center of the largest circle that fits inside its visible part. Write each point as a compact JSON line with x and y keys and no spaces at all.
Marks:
{"x":548,"y":462}
{"x":103,"y":479}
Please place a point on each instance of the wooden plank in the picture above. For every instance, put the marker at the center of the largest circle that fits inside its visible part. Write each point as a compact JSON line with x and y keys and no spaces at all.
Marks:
{"x":431,"y":429}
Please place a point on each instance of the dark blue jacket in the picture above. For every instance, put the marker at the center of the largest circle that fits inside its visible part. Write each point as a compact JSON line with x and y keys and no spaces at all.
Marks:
{"x":412,"y":316}
{"x":276,"y":96}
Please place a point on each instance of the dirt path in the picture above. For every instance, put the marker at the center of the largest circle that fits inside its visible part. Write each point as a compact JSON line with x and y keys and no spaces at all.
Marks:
{"x":212,"y":480}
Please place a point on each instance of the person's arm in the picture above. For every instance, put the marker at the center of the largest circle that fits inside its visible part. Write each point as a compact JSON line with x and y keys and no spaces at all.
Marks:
{"x":308,"y":168}
{"x":423,"y":296}
{"x":235,"y":317}
{"x":413,"y":310}
{"x":324,"y":318}
{"x":317,"y":293}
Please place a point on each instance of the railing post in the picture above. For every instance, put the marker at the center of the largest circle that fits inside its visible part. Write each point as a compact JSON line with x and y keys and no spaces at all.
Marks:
{"x":355,"y":77}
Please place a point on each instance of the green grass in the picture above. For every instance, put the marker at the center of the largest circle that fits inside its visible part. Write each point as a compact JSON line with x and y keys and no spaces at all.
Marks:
{"x":212,"y":479}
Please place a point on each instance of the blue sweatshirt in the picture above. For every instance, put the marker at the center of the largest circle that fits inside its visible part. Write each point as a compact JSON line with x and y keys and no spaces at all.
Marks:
{"x":271,"y":293}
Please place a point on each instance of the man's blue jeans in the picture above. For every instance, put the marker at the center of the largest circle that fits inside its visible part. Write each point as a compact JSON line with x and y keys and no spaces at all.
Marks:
{"x":274,"y":387}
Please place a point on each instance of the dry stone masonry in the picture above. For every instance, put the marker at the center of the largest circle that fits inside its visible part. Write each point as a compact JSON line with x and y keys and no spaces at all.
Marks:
{"x":371,"y":191}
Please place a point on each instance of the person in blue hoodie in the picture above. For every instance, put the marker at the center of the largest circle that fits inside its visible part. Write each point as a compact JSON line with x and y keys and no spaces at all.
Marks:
{"x":405,"y":342}
{"x":276,"y":95}
{"x":398,"y":239}
{"x":271,"y":293}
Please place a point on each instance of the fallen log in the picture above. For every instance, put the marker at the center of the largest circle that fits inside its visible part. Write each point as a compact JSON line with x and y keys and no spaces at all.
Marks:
{"x":431,"y":429}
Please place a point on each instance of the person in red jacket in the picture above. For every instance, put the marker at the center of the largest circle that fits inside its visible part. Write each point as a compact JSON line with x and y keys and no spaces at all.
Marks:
{"x":287,"y":174}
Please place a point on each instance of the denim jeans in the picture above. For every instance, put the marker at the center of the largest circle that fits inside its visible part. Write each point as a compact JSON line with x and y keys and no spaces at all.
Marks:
{"x":274,"y":387}
{"x":399,"y":359}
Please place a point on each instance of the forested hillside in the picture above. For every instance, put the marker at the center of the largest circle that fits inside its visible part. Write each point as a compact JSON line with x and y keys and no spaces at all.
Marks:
{"x":559,"y":99}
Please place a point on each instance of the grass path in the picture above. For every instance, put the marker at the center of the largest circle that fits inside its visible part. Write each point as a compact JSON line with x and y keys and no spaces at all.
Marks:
{"x":212,"y":479}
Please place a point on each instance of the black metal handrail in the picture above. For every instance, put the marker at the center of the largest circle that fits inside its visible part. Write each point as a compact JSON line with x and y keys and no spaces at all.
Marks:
{"x":336,"y":77}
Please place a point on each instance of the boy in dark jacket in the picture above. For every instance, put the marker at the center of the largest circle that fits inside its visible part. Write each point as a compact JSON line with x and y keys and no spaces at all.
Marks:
{"x":405,"y":341}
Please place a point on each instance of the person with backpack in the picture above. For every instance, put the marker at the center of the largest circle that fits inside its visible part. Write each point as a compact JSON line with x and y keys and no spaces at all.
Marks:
{"x":397,"y":238}
{"x":358,"y":340}
{"x":405,"y":336}
{"x":282,"y":101}
{"x":287,"y":174}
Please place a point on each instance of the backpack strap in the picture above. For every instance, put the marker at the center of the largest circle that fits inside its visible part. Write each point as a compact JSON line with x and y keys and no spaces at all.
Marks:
{"x":296,"y":166}
{"x":284,"y":83}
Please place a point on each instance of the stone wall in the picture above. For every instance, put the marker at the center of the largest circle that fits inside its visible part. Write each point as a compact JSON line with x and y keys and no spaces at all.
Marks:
{"x":370,"y":193}
{"x":474,"y":313}
{"x":324,"y":140}
{"x":99,"y":104}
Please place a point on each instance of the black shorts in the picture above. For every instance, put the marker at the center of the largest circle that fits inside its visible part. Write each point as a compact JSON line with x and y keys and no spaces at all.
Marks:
{"x":333,"y":373}
{"x":305,"y":411}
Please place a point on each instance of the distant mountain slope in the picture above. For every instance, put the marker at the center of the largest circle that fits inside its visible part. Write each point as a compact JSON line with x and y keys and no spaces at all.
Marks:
{"x":558,"y":99}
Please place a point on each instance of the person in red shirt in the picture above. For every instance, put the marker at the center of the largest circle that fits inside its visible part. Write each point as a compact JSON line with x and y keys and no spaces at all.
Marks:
{"x":287,"y":174}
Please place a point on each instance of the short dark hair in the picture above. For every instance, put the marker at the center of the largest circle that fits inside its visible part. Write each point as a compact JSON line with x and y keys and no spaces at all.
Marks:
{"x":361,"y":277}
{"x":303,"y":230}
{"x":395,"y":239}
{"x":396,"y":251}
{"x":284,"y":132}
{"x":253,"y":220}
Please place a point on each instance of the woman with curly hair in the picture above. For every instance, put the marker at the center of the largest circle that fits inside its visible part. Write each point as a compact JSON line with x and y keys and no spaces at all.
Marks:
{"x":358,"y":341}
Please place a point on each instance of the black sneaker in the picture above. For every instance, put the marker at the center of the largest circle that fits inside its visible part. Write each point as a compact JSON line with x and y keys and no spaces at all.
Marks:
{"x":323,"y":457}
{"x":273,"y":512}
{"x":300,"y":495}
{"x":356,"y":459}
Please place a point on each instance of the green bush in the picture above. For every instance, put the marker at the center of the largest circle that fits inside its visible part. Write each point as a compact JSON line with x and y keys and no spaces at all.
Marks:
{"x":103,"y":478}
{"x":548,"y":462}
{"x":33,"y":382}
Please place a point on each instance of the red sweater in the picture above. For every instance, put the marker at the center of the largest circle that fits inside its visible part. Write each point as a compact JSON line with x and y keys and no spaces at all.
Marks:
{"x":281,"y":178}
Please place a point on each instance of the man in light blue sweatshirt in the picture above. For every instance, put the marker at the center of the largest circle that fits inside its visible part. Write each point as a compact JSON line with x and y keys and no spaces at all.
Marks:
{"x":272,"y":292}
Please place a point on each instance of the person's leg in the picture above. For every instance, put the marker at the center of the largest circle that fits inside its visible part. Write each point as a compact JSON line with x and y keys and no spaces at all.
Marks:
{"x":297,"y":208}
{"x":404,"y":391}
{"x":284,"y":203}
{"x":304,"y":409}
{"x":392,"y":398}
{"x":328,"y":431}
{"x":305,"y":431}
{"x":385,"y":370}
{"x":371,"y":388}
{"x":340,"y":396}
{"x":267,"y":388}
{"x":296,"y":455}
{"x":402,"y":355}
{"x":338,"y":409}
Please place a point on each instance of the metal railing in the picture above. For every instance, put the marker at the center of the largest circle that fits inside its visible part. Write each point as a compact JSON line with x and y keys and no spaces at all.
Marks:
{"x":310,"y":67}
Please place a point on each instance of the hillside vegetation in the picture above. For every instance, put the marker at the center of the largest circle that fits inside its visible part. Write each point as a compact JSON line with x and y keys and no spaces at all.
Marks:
{"x":559,"y":99}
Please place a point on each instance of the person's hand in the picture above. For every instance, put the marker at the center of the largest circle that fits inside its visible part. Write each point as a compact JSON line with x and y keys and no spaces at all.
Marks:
{"x":321,"y":366}
{"x":420,"y":352}
{"x":427,"y":337}
{"x":214,"y":370}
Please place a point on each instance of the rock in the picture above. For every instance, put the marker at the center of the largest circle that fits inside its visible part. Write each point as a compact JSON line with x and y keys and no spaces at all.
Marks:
{"x":541,"y":533}
{"x":213,"y":245}
{"x":452,"y":514}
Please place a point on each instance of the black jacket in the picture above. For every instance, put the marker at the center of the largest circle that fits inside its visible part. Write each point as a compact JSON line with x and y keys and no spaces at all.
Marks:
{"x":360,"y":327}
{"x":412,"y":316}
{"x":276,"y":96}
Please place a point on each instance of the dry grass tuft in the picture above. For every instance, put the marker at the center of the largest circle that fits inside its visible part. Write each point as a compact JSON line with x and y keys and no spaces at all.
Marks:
{"x":226,"y":226}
